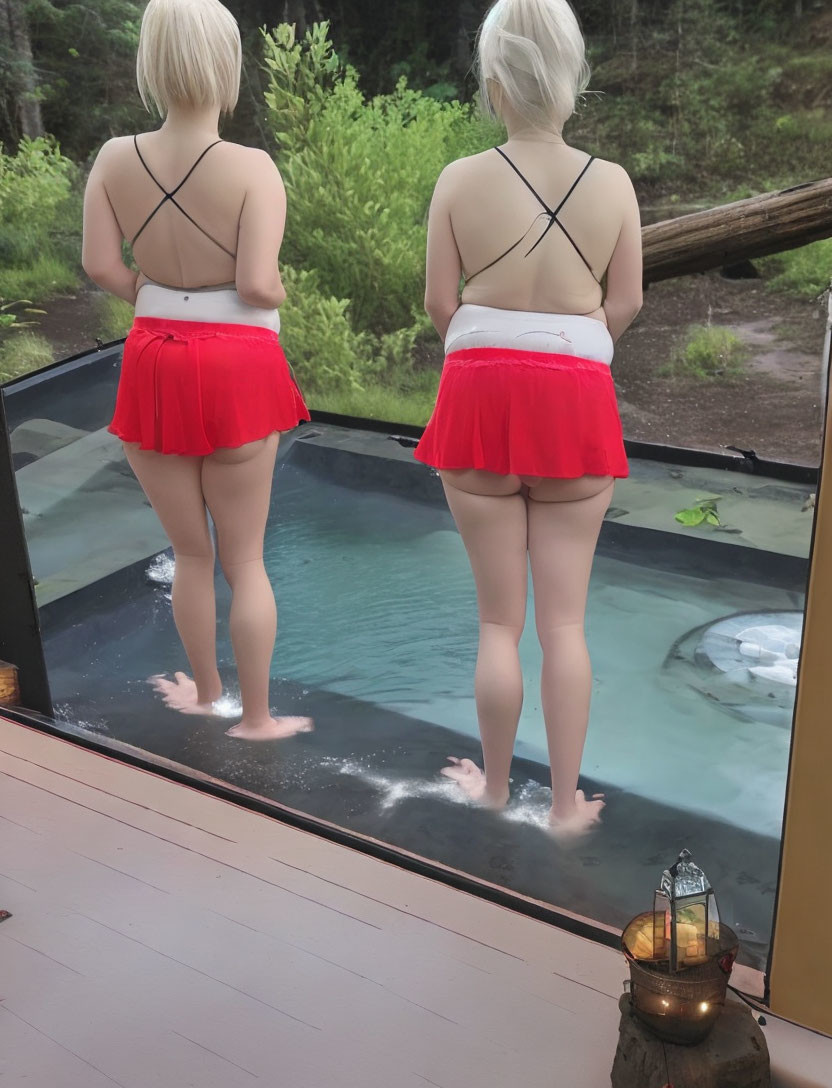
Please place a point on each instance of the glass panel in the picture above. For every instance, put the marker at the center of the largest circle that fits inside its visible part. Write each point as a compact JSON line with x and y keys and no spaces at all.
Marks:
{"x":693,"y":637}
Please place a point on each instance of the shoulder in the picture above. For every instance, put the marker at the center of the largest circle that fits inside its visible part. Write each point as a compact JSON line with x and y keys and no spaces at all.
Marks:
{"x":259,"y":165}
{"x":459,"y":172}
{"x":613,"y":173}
{"x":113,"y":148}
{"x":254,"y":156}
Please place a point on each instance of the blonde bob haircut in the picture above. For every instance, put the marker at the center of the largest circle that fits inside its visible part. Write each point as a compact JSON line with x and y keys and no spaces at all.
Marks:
{"x":532,"y":52}
{"x":189,"y":54}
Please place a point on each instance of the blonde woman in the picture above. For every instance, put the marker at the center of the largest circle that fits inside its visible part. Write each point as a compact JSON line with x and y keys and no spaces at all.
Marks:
{"x":525,"y":432}
{"x":205,"y":390}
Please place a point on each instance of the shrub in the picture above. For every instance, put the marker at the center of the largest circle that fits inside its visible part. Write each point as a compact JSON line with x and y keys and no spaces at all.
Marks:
{"x":806,"y":272}
{"x":320,"y":343}
{"x":21,"y":353}
{"x":45,"y":275}
{"x":40,"y":221}
{"x":114,"y":317}
{"x":708,"y":351}
{"x":359,"y":175}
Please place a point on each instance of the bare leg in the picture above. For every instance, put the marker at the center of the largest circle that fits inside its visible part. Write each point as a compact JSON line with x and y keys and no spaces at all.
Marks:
{"x":237,"y":486}
{"x":565,"y":519}
{"x":172,"y":485}
{"x":490,"y":513}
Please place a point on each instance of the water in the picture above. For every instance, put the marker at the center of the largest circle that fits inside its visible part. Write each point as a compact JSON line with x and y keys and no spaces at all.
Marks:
{"x":377,"y":602}
{"x":377,"y":642}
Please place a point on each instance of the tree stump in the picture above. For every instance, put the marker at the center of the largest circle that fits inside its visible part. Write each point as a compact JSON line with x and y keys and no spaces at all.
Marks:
{"x":734,"y":1055}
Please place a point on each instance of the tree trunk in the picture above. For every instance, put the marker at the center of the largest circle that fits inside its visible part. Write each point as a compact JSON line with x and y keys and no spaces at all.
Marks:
{"x":722,"y":236}
{"x":301,"y":13}
{"x":13,"y":19}
{"x":633,"y":35}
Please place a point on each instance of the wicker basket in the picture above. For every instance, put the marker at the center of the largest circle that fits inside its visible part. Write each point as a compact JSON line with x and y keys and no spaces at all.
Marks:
{"x":683,"y":1006}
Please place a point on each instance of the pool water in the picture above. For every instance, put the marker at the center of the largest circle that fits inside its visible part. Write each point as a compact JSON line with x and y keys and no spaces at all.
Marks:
{"x":377,"y":641}
{"x":377,"y":602}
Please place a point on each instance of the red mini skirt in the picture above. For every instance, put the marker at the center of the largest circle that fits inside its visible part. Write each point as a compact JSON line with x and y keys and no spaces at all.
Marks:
{"x":191,"y":387}
{"x":525,"y":413}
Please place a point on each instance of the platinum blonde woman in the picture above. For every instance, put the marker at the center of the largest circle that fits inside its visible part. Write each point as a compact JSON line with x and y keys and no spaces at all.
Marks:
{"x":525,"y":432}
{"x":205,"y":390}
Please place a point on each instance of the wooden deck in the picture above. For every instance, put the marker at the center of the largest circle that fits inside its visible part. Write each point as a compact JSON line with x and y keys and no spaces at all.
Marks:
{"x":161,"y":937}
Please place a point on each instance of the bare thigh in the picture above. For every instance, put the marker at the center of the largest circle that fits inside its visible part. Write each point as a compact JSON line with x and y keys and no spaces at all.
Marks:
{"x":564,"y":526}
{"x":237,"y":485}
{"x":491,"y":517}
{"x":545,"y":489}
{"x":174,"y":488}
{"x":475,"y":481}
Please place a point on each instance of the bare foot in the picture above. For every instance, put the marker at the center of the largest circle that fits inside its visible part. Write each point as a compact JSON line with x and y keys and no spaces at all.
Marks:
{"x":181,"y":694}
{"x":585,"y":818}
{"x":271,"y":729}
{"x":471,"y":781}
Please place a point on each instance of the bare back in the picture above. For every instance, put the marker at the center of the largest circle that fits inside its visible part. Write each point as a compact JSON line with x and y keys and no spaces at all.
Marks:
{"x":200,"y":212}
{"x":513,"y":251}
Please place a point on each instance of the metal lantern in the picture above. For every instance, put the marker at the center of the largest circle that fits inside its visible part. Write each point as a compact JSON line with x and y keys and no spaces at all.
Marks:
{"x":686,"y":930}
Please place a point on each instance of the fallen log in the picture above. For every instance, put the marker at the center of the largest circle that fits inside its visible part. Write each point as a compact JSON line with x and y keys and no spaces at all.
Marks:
{"x":723,"y":236}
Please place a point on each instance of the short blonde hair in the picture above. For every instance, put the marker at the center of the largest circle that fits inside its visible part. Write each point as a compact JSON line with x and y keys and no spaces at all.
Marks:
{"x":534,"y":51}
{"x":189,"y":53}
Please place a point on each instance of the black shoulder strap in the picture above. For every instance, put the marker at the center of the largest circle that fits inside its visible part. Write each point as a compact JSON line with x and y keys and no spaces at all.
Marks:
{"x":552,"y":215}
{"x":526,"y":181}
{"x":172,"y":194}
{"x":575,"y":184}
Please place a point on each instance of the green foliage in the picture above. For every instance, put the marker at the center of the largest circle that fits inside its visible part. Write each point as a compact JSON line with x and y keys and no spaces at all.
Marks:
{"x":392,"y":404}
{"x":86,"y":59}
{"x":330,"y":356}
{"x":21,"y":353}
{"x":708,"y":351}
{"x":359,"y":175}
{"x":700,"y":95}
{"x":14,"y":315}
{"x":39,"y":221}
{"x":45,"y":276}
{"x":703,"y":512}
{"x":114,"y":317}
{"x":806,"y":272}
{"x":320,"y":342}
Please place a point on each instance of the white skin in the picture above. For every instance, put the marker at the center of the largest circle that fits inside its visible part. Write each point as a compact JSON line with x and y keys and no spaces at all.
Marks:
{"x":237,"y":194}
{"x":479,"y":208}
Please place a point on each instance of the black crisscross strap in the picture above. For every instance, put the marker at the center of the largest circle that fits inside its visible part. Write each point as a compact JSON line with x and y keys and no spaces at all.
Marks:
{"x":549,"y":213}
{"x":171,"y":196}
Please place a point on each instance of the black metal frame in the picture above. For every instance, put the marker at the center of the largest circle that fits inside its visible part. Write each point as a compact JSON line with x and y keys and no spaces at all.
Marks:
{"x":20,"y":637}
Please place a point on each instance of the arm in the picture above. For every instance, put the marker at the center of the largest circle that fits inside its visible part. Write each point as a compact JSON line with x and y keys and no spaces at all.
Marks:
{"x":262,"y":222}
{"x":624,"y":291}
{"x":444,"y":266}
{"x":101,"y":254}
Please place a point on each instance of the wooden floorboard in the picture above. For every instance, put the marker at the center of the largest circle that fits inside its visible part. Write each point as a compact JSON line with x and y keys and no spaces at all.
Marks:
{"x":163,"y":937}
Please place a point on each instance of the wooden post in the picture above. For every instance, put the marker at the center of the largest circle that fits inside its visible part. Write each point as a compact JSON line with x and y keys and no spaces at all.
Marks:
{"x":9,"y":685}
{"x":801,"y":963}
{"x":726,"y":235}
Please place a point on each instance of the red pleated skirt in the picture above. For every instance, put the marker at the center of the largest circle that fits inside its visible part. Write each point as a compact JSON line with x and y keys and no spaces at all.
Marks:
{"x":525,"y":413}
{"x":191,"y":387}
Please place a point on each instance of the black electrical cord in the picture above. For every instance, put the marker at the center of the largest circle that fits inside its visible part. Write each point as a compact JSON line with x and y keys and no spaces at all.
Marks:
{"x":765,"y":1011}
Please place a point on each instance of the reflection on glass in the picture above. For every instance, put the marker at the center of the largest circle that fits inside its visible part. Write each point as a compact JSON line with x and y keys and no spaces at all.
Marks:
{"x":374,"y":584}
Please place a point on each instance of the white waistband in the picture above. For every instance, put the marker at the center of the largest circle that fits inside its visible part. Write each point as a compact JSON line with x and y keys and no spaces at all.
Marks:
{"x":222,"y":306}
{"x":565,"y":334}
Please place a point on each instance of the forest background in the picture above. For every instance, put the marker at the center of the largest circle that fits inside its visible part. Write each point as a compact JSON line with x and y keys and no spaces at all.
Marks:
{"x":703,"y":101}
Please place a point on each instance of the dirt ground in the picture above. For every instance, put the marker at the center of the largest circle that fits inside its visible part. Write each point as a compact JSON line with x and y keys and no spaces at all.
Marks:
{"x":773,"y":408}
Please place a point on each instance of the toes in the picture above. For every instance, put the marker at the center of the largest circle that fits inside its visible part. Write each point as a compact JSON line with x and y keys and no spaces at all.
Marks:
{"x":470,"y":767}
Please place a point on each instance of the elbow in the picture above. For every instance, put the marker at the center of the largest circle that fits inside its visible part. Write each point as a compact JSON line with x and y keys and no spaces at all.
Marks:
{"x":260,"y":296}
{"x":440,"y":312}
{"x":99,"y":274}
